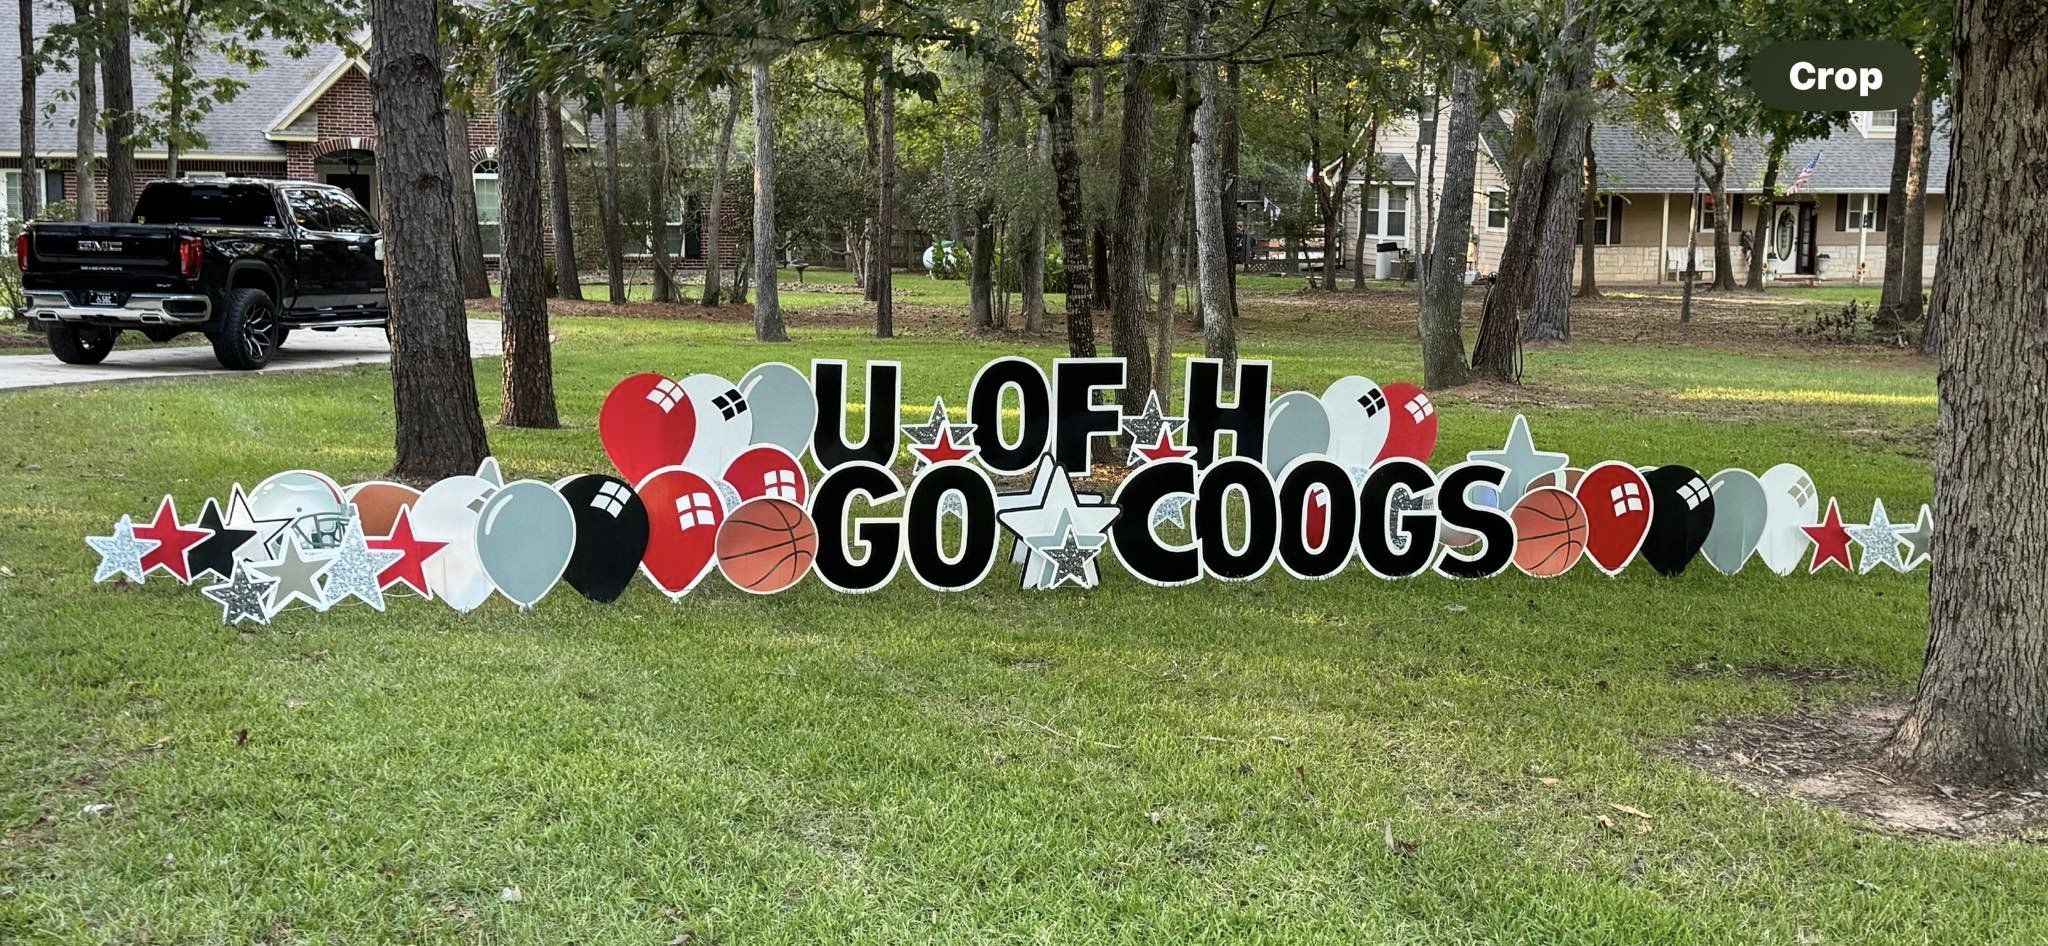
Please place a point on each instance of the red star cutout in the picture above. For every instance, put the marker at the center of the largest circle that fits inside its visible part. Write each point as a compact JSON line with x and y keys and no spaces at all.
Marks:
{"x":944,"y":449}
{"x":1165,"y":448}
{"x":175,"y":541}
{"x":409,"y":570}
{"x":1830,"y":541}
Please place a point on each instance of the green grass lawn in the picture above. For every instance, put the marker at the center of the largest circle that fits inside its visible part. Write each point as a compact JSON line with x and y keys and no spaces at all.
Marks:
{"x":1211,"y":764}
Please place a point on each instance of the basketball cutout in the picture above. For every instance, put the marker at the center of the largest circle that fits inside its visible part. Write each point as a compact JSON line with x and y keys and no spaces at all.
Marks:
{"x":1550,"y":530}
{"x":766,"y":545}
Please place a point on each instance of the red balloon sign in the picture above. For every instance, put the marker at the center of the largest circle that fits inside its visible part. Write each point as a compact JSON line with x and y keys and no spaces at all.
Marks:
{"x":647,"y":423}
{"x":1616,"y":499}
{"x":1411,"y":423}
{"x":683,"y":516}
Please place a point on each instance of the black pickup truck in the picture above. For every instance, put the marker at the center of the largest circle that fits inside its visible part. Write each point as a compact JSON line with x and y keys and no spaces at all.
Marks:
{"x":244,"y":261}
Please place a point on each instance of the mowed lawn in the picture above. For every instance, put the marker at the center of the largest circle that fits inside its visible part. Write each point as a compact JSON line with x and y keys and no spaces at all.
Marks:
{"x":1352,"y":761}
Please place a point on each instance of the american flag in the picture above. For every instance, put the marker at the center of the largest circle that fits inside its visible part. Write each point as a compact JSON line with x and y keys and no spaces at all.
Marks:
{"x":1805,"y":175}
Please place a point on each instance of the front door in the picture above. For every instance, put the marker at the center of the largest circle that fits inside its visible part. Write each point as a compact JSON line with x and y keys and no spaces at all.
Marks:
{"x":1809,"y":238}
{"x":357,"y":185}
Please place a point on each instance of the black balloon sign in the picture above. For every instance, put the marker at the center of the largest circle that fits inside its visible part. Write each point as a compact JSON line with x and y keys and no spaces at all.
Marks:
{"x":611,"y":535}
{"x":1681,"y":515}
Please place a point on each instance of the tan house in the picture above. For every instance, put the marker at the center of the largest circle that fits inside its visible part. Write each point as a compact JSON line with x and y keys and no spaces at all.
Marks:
{"x":1832,"y":227}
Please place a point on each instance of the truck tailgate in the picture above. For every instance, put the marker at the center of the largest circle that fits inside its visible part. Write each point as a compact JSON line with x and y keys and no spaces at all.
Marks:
{"x":136,"y":251}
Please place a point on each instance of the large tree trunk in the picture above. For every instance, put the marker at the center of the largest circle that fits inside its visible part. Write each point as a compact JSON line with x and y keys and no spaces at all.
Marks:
{"x":440,"y":431}
{"x":522,"y":264}
{"x":767,"y":300}
{"x":1212,"y":244}
{"x":714,"y":225}
{"x":31,"y":176}
{"x":1443,"y":294}
{"x":86,"y":195}
{"x":883,"y":278}
{"x":117,"y":92}
{"x":1066,"y":168}
{"x":1173,"y":217}
{"x":1692,"y":250}
{"x":468,"y":244}
{"x":1535,"y":279}
{"x":1030,"y":242}
{"x":1128,"y":293}
{"x":1724,"y":211}
{"x":568,"y":282}
{"x":611,"y":205}
{"x":1589,"y":283}
{"x":1981,"y":713}
{"x":981,"y":281}
{"x":664,"y":289}
{"x":1764,"y":205}
{"x":1231,"y":134}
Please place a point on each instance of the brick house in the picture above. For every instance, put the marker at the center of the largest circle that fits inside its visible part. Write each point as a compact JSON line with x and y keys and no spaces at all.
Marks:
{"x":303,"y":118}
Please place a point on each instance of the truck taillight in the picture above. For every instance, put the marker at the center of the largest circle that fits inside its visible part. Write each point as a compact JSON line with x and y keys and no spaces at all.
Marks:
{"x":190,"y":251}
{"x":21,"y":251}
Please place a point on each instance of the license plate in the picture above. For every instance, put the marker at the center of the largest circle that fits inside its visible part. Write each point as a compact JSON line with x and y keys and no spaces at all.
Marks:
{"x":104,"y":298}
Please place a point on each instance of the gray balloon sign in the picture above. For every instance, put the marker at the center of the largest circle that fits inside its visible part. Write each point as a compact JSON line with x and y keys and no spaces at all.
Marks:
{"x":525,"y":536}
{"x":784,"y":409}
{"x":1296,"y":426}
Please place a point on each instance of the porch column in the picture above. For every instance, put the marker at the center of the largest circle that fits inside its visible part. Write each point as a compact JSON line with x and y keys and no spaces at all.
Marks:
{"x":1664,"y":237}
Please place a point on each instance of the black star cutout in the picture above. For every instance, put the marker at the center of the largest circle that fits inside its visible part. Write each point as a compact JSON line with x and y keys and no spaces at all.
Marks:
{"x":216,"y":553}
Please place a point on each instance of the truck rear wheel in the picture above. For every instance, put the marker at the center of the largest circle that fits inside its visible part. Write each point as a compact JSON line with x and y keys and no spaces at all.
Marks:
{"x":247,"y":334}
{"x":81,"y":344}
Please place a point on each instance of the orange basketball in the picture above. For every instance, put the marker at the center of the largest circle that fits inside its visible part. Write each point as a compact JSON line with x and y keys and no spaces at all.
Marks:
{"x":766,"y":545}
{"x":1550,"y":532}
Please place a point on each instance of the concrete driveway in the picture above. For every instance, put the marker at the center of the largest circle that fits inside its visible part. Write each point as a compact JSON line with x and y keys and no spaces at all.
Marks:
{"x":305,"y":350}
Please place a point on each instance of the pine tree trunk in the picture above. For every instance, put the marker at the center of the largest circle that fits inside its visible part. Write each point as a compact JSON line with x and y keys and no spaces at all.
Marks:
{"x":86,"y":194}
{"x":1764,"y":206}
{"x":568,"y":281}
{"x":1066,"y":167}
{"x":1030,"y":238}
{"x":117,"y":94}
{"x":1913,"y":238}
{"x":522,"y":264}
{"x":1173,"y":219}
{"x":440,"y":431}
{"x":1535,"y":278}
{"x":714,"y":225}
{"x":1887,"y":318}
{"x":664,"y":289}
{"x":871,"y":129}
{"x":468,"y":244}
{"x":1212,"y":245}
{"x":767,"y":300}
{"x":1589,"y":284}
{"x":611,"y":206}
{"x":884,"y":276}
{"x":1980,"y":715}
{"x":1443,"y":295}
{"x":1724,"y":255}
{"x":1692,"y":250}
{"x":1127,"y":290}
{"x":31,"y":176}
{"x":1231,"y":134}
{"x":981,"y":282}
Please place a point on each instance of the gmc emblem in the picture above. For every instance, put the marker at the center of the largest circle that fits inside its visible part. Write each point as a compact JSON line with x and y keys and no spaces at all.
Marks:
{"x":99,"y":246}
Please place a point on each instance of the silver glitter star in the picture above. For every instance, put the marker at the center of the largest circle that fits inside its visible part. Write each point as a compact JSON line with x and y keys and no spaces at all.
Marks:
{"x":1144,"y":429}
{"x":927,"y":434}
{"x":1068,"y":556}
{"x":354,"y":570}
{"x":1172,"y":508}
{"x":1525,"y":463}
{"x":1042,"y":514}
{"x":294,"y":577}
{"x":121,"y":553}
{"x":1919,"y":539}
{"x":241,"y":597}
{"x":1879,"y":540}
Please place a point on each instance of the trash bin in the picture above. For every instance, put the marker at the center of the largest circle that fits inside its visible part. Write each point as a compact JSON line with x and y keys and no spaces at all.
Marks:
{"x":1820,"y":265}
{"x":1383,"y":267}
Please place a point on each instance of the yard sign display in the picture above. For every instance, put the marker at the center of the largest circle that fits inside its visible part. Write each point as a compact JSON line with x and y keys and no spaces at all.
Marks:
{"x":766,"y":483}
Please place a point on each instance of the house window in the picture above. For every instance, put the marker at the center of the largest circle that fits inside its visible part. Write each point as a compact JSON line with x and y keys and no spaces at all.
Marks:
{"x":1389,"y":214}
{"x":1496,"y":210}
{"x":1885,"y":122}
{"x":1606,"y":221}
{"x":485,"y":176}
{"x":10,"y":196}
{"x":1855,"y":212}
